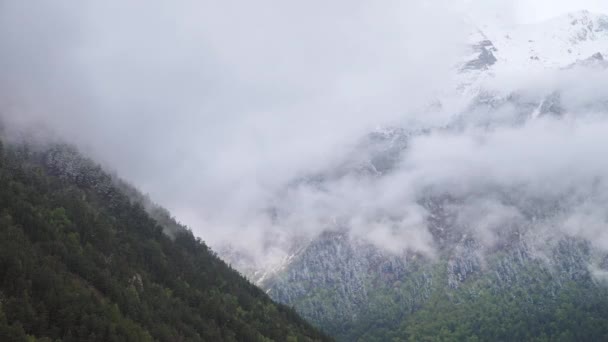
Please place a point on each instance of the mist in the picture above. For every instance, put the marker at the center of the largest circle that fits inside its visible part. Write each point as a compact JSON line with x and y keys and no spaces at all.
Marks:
{"x":215,"y":104}
{"x":224,"y":113}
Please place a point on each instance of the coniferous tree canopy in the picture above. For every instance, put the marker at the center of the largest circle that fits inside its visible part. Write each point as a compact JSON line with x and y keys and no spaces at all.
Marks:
{"x":81,"y":259}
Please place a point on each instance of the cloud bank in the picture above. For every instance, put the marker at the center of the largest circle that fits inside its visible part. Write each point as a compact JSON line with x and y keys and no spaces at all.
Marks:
{"x":209,"y":107}
{"x":247,"y":119}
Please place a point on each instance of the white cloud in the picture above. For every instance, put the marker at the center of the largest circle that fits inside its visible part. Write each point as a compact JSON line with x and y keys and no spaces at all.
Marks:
{"x":213,"y":108}
{"x":510,"y":12}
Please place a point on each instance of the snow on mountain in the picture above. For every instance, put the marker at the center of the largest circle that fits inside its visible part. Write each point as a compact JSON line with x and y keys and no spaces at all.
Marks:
{"x":575,"y":39}
{"x":524,"y":50}
{"x":474,"y":193}
{"x":556,"y":43}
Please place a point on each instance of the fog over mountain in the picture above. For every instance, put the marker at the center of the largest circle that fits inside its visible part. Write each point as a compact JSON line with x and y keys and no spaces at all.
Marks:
{"x":268,"y":124}
{"x":209,"y":107}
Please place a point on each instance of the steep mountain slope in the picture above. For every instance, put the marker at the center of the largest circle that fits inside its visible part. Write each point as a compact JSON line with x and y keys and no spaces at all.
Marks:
{"x":357,"y":292}
{"x":502,"y":52}
{"x":554,"y":43}
{"x":468,"y":244}
{"x":82,"y":260}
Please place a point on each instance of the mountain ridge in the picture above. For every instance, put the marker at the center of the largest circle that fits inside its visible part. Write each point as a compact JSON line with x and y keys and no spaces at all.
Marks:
{"x":81,"y":259}
{"x":500,"y":242}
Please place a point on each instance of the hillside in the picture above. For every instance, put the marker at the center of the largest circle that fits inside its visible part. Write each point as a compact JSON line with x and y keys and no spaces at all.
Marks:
{"x":82,"y":260}
{"x":488,"y":223}
{"x":356,"y":292}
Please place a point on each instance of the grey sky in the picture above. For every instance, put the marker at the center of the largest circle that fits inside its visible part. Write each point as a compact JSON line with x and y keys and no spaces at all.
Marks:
{"x":536,"y":10}
{"x":528,"y":11}
{"x":205,"y":104}
{"x":212,"y":107}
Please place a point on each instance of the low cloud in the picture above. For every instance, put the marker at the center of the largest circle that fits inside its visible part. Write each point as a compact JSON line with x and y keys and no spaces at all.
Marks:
{"x":247,"y":119}
{"x":516,"y":176}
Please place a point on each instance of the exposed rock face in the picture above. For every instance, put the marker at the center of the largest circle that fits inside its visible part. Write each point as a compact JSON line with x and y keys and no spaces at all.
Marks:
{"x":485,"y":58}
{"x":552,"y":105}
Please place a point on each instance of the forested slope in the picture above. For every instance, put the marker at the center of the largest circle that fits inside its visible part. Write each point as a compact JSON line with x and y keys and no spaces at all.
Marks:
{"x":508,"y":295}
{"x":82,"y":260}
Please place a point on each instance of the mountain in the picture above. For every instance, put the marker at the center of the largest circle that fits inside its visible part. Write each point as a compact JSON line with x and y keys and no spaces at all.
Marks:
{"x":554,"y":43}
{"x":500,"y":237}
{"x":85,"y":257}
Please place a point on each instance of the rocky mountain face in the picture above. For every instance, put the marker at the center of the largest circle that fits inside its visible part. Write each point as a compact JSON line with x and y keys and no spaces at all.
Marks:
{"x":479,"y":243}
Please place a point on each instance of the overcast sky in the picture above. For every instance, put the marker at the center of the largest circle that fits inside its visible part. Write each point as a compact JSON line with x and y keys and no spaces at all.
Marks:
{"x":535,"y":10}
{"x":529,"y":11}
{"x":211,"y":107}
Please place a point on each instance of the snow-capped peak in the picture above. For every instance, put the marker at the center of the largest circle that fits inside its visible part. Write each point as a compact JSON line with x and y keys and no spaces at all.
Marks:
{"x":555,"y":43}
{"x":573,"y":39}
